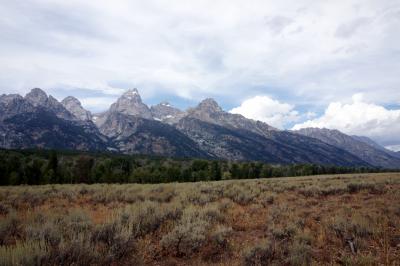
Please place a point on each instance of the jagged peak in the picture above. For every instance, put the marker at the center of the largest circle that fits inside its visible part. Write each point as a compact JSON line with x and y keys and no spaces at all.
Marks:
{"x":10,"y":96}
{"x":36,"y":92}
{"x":36,"y":96}
{"x":74,"y":106}
{"x":209,"y":104}
{"x":165,"y":103}
{"x":52,"y":99}
{"x":130,"y":103}
{"x":70,"y":99}
{"x":130,"y":95}
{"x":131,"y":92}
{"x":320,"y":130}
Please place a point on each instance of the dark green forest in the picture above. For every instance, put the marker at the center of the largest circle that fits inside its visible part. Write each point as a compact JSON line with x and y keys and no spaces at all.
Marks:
{"x":38,"y":167}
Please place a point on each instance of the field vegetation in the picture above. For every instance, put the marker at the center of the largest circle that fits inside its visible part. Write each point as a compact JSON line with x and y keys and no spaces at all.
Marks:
{"x":314,"y":220}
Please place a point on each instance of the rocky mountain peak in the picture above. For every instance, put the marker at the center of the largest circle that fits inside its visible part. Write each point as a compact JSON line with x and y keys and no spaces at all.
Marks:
{"x":209,"y":105}
{"x":130,"y":103}
{"x":131,"y":94}
{"x":74,"y":106}
{"x":8,"y":98}
{"x":165,"y":103}
{"x":165,"y":112}
{"x":71,"y":100}
{"x":13,"y":104}
{"x":36,"y":97}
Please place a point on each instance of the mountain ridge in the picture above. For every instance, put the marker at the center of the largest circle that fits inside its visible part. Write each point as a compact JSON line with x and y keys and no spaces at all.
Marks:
{"x":130,"y":126}
{"x":362,"y":147}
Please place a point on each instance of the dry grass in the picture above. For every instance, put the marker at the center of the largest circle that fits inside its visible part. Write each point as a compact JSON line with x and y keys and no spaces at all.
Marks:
{"x":319,"y":220}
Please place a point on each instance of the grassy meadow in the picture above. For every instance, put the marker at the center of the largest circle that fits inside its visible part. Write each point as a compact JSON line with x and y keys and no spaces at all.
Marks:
{"x":349,"y":219}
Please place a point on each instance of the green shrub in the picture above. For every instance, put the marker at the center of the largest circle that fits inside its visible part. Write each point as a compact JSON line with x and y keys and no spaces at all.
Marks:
{"x":22,"y":253}
{"x":188,"y":235}
{"x":356,"y":187}
{"x":75,"y":252}
{"x":299,"y":254}
{"x":146,"y":217}
{"x":76,"y":222}
{"x":304,"y":238}
{"x":219,"y":237}
{"x":4,"y":209}
{"x":10,"y":229}
{"x":267,"y":200}
{"x":213,"y":213}
{"x":359,"y":260}
{"x":104,"y":234}
{"x":287,"y":232}
{"x":356,"y":226}
{"x":259,"y":255}
{"x":310,"y":191}
{"x":225,"y":204}
{"x":119,"y":243}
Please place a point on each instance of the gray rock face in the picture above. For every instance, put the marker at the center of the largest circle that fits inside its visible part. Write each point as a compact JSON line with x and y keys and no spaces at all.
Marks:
{"x":372,"y":143}
{"x":209,"y":111}
{"x":130,"y":103}
{"x":38,"y":98}
{"x":41,"y":121}
{"x":166,"y":113}
{"x":136,"y":135}
{"x":282,"y":147}
{"x":13,"y":104}
{"x":74,"y":106}
{"x":367,"y":152}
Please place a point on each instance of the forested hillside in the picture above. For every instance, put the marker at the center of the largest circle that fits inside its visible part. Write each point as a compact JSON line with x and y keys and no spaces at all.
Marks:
{"x":36,"y":167}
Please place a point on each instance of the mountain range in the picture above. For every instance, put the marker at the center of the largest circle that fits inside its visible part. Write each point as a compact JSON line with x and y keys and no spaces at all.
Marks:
{"x":129,"y":126}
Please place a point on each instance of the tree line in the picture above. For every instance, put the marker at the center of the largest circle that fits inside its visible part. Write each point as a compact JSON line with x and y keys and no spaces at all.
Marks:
{"x":38,"y":167}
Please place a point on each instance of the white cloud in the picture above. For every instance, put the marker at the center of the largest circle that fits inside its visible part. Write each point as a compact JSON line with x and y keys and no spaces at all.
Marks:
{"x":360,"y":117}
{"x":268,"y":110}
{"x":317,"y":51}
{"x":393,"y":147}
{"x":97,"y":104}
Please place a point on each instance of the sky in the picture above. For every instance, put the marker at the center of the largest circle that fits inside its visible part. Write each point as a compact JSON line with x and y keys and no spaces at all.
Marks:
{"x":292,"y":64}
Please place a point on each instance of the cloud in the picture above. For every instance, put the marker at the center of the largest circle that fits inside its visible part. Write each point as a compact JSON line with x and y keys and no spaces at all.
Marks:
{"x":346,"y":30}
{"x":278,"y":24}
{"x":393,"y":148}
{"x":360,"y":117}
{"x":268,"y":110}
{"x":97,"y":104}
{"x":314,"y":51}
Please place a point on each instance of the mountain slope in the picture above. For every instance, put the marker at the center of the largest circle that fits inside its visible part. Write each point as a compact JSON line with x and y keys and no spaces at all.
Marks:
{"x":368,"y":152}
{"x":74,"y":106}
{"x":130,"y":103}
{"x":38,"y":98}
{"x":284,"y":147}
{"x":131,"y":127}
{"x":41,"y":121}
{"x":136,"y":135}
{"x":166,"y":113}
{"x":376,"y":145}
{"x":209,"y":111}
{"x":45,"y":130}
